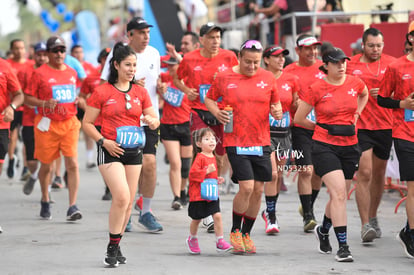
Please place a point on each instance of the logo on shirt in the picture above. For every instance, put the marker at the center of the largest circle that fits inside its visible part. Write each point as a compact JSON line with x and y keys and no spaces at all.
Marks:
{"x":320,"y":75}
{"x":352,"y":92}
{"x":357,"y":72}
{"x":197,"y":68}
{"x":111,"y":101}
{"x":52,"y":80}
{"x":328,"y":95}
{"x":137,"y":101}
{"x":286,"y":87}
{"x":222,"y":68}
{"x":231,"y":86}
{"x":383,"y":71}
{"x":151,"y":66}
{"x":73,"y":79}
{"x":406,"y":77}
{"x":261,"y":84}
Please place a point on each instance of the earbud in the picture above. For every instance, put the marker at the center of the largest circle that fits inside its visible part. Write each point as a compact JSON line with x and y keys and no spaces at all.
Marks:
{"x":362,"y":47}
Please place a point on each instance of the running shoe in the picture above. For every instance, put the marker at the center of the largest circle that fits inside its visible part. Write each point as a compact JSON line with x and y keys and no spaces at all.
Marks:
{"x":192,"y":245}
{"x":324,"y":244}
{"x":29,"y":185}
{"x":1,"y":230}
{"x":300,"y":210}
{"x":236,"y":240}
{"x":374,"y":223}
{"x":343,"y":254}
{"x":209,"y":223}
{"x":73,"y":213}
{"x":57,"y":183}
{"x":107,"y":196}
{"x":309,"y":223}
{"x":223,"y":246}
{"x":128,"y":227}
{"x":45,"y":210}
{"x":271,"y":225}
{"x":111,"y":256}
{"x":119,"y":257}
{"x":368,"y":233}
{"x":90,"y":165}
{"x":10,"y":168}
{"x":25,"y":174}
{"x":283,"y":187}
{"x":176,"y":204}
{"x":406,"y":242}
{"x":138,"y":204}
{"x":149,"y":222}
{"x":249,"y":246}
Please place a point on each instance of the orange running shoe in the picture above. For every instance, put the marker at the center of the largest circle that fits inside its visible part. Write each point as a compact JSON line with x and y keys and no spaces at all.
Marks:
{"x":249,"y":246}
{"x":236,"y":241}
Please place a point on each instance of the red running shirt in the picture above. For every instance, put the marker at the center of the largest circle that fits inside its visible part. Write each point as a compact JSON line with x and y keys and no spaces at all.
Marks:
{"x":399,"y":79}
{"x":174,"y":114}
{"x":8,"y":84}
{"x":88,"y":87}
{"x":287,"y":85}
{"x":335,"y":105}
{"x":250,"y":98}
{"x":19,"y":67}
{"x":198,"y":173}
{"x":29,"y":113}
{"x":374,"y":117}
{"x":50,"y":83}
{"x":196,"y":70}
{"x":112,"y":104}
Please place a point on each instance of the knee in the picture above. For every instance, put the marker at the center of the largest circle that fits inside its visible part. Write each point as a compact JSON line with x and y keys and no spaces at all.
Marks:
{"x":121,"y":201}
{"x":245,"y":191}
{"x":364,"y":174}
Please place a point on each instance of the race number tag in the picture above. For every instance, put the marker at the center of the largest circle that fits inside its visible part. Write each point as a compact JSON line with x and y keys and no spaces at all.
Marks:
{"x":130,"y":136}
{"x":203,"y":89}
{"x":311,"y":116}
{"x":64,"y":93}
{"x":408,"y":115}
{"x":209,"y":190}
{"x":174,"y":97}
{"x":281,"y":123}
{"x":251,"y":151}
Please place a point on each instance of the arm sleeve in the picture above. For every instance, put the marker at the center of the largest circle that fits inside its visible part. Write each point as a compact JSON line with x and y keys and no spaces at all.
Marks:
{"x":197,"y":171}
{"x":388,"y":102}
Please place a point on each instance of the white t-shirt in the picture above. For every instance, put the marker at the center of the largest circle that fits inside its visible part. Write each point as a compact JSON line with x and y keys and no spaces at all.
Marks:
{"x":148,"y":66}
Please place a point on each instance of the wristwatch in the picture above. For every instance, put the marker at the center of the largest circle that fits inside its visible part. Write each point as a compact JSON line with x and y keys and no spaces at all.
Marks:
{"x":13,"y":106}
{"x":101,"y":141}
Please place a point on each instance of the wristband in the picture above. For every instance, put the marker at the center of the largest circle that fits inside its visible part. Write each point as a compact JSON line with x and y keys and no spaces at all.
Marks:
{"x":13,"y":106}
{"x":100,"y":141}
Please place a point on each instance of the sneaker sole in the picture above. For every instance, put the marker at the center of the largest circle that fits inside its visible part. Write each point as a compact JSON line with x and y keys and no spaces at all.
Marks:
{"x":344,"y":260}
{"x":110,"y":265}
{"x":272,"y":231}
{"x":309,"y":227}
{"x":224,"y":250}
{"x":153,"y":231}
{"x":176,"y":206}
{"x":404,"y":247}
{"x":74,"y":217}
{"x":317,"y":238}
{"x":46,"y":218}
{"x":369,"y":236}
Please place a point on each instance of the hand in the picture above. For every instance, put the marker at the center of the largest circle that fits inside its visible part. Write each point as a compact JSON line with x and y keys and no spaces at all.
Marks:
{"x":171,"y":50}
{"x":374,"y":92}
{"x":192,"y":93}
{"x":408,"y":102}
{"x":8,"y":114}
{"x":211,"y":168}
{"x":221,"y":180}
{"x":152,"y":122}
{"x":51,"y":103}
{"x":140,"y":82}
{"x":113,"y":148}
{"x":223,"y":117}
{"x":276,"y":111}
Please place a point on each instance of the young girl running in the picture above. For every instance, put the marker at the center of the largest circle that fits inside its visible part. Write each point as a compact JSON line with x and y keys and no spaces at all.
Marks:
{"x":203,"y":190}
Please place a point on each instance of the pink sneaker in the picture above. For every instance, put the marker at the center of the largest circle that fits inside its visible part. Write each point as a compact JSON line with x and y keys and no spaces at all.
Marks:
{"x":223,"y":246}
{"x":192,"y":245}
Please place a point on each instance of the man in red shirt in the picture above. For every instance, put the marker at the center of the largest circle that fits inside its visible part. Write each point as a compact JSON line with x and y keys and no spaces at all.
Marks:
{"x":309,"y":184}
{"x":374,"y":132}
{"x":18,"y":62}
{"x":252,"y":93}
{"x":53,"y":91}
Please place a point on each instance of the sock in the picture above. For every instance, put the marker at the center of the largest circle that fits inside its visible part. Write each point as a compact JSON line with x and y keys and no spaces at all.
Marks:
{"x":314,"y":196}
{"x":146,"y":205}
{"x":305,"y":200}
{"x":193,"y":237}
{"x":237,"y":220}
{"x":247,"y":224}
{"x":182,"y":194}
{"x":34,"y":176}
{"x":89,"y":155}
{"x":114,"y":239}
{"x":218,"y":238}
{"x":340,"y":232}
{"x":407,"y":227}
{"x":270,"y":204}
{"x":326,"y":225}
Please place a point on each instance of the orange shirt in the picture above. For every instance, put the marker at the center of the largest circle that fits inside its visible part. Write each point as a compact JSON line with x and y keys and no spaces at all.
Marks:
{"x":8,"y":84}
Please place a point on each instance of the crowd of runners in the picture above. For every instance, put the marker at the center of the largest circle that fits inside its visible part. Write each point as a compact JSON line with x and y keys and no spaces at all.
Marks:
{"x":224,"y":117}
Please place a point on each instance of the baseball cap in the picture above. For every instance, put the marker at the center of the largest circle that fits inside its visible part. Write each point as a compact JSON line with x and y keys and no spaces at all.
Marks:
{"x":138,"y":23}
{"x":40,"y":47}
{"x":170,"y":61}
{"x":307,"y":40}
{"x":357,"y":45}
{"x":103,"y":53}
{"x":274,"y":50}
{"x":54,"y":42}
{"x":334,"y":55}
{"x":206,"y":28}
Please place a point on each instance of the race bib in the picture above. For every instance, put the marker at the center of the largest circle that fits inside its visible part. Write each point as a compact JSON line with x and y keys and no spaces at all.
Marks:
{"x":251,"y":151}
{"x":130,"y":136}
{"x":281,"y":123}
{"x":408,"y":115}
{"x":64,"y":93}
{"x":174,"y":97}
{"x":203,"y":89}
{"x":311,"y":116}
{"x":209,"y":189}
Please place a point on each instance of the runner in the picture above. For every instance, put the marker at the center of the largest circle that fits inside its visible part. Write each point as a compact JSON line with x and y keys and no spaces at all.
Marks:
{"x":288,"y":87}
{"x":374,"y":132}
{"x":397,"y":92}
{"x":252,"y":93}
{"x":52,"y":90}
{"x":309,"y":184}
{"x":119,"y":158}
{"x":338,"y":101}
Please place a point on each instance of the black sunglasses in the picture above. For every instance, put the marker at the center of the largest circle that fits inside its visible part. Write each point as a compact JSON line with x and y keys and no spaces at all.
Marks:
{"x":61,"y":50}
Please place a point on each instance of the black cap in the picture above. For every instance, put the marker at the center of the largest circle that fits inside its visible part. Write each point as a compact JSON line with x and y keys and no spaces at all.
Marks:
{"x":54,"y":42}
{"x":104,"y":53}
{"x":171,"y":61}
{"x":206,"y":28}
{"x":274,"y":50}
{"x":334,"y":55}
{"x":138,"y":23}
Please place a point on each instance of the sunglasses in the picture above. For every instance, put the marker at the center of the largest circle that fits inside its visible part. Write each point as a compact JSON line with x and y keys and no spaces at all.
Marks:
{"x":251,"y":44}
{"x":128,"y":104}
{"x":59,"y":50}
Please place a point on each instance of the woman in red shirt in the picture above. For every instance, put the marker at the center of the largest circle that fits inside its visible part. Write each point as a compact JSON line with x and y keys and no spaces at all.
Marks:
{"x":338,"y":100}
{"x":120,"y":104}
